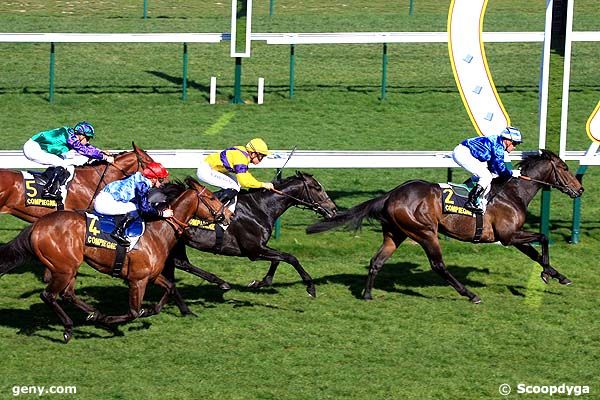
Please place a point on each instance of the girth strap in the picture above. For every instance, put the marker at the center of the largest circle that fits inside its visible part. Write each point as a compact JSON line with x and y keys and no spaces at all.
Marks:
{"x":478,"y":227}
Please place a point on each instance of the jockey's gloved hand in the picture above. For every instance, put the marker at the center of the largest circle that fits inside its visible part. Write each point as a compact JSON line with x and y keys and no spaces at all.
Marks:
{"x":516,"y":173}
{"x":166,"y":213}
{"x":109,"y":159}
{"x":268,"y":185}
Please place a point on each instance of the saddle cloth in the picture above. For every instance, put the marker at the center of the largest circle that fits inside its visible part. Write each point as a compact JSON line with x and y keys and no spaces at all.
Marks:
{"x":100,"y":226}
{"x":34,"y":183}
{"x":454,"y":197}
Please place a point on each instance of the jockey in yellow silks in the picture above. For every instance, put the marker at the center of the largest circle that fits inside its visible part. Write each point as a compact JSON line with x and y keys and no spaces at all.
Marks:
{"x":228,"y":170}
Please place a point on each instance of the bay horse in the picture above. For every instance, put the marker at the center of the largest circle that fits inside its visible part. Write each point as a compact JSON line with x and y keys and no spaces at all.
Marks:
{"x":251,"y":228}
{"x":414,"y":210}
{"x":57,"y":241}
{"x":87,"y":181}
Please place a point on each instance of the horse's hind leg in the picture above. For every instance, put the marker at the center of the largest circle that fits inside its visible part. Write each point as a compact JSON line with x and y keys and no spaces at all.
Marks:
{"x":56,"y":285}
{"x":431,"y":245}
{"x":388,"y":247}
{"x":137,"y":288}
{"x":276,"y":256}
{"x":170,"y":289}
{"x":69,"y":295}
{"x":267,"y":280}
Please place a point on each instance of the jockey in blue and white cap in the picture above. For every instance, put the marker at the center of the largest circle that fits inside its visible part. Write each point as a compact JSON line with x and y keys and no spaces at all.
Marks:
{"x":483,"y":156}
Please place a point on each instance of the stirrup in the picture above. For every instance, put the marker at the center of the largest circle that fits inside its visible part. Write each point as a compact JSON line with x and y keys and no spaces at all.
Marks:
{"x":49,"y":195}
{"x":121,"y":240}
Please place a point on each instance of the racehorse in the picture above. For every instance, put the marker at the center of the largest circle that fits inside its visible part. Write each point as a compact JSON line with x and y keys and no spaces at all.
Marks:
{"x":88,"y":180}
{"x":251,"y":229}
{"x":414,"y":210}
{"x":57,"y":241}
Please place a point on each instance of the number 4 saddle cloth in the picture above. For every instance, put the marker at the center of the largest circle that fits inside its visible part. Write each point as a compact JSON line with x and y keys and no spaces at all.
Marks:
{"x":100,"y":226}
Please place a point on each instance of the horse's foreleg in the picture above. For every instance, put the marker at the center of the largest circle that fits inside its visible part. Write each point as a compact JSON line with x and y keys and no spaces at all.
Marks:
{"x":522,"y":241}
{"x":169,"y":289}
{"x":276,"y":257}
{"x":207,"y":276}
{"x":549,"y":271}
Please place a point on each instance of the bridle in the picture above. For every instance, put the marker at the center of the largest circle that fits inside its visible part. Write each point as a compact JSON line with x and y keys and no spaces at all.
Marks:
{"x":560,"y":185}
{"x":312,"y":204}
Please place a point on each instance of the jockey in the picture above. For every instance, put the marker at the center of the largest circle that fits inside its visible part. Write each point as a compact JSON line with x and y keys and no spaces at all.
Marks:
{"x":129,"y":195}
{"x":483,"y":156}
{"x":63,"y":148}
{"x":228,"y":170}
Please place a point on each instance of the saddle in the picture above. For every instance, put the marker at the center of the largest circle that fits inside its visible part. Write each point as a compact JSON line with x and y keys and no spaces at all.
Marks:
{"x":34,"y":182}
{"x":98,"y":228}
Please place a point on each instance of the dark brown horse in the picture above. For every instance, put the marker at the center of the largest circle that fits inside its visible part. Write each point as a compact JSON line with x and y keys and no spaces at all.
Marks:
{"x":57,"y":241}
{"x":414,"y":210}
{"x":87,"y":181}
{"x":251,"y":228}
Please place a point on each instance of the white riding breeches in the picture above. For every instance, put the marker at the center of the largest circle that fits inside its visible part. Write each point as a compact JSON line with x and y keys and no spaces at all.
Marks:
{"x":215,"y":178}
{"x":104,"y":203}
{"x":33,"y":152}
{"x":463,"y":157}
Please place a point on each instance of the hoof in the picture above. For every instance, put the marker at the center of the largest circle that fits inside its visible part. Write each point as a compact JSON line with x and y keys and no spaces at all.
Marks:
{"x":475,"y":300}
{"x":545,"y":277}
{"x":67,"y":335}
{"x":253,"y":284}
{"x":312,"y":292}
{"x":189,"y":314}
{"x":367,"y":296}
{"x":225,"y":286}
{"x":564,"y":281}
{"x":94,"y":316}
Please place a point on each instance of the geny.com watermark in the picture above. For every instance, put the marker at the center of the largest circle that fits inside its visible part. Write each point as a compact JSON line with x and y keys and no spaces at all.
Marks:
{"x":18,"y":390}
{"x":563,"y":389}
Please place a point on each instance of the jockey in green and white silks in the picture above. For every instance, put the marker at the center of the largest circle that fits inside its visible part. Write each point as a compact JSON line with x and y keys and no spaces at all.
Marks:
{"x":63,"y":148}
{"x":228,"y":170}
{"x":483,"y":156}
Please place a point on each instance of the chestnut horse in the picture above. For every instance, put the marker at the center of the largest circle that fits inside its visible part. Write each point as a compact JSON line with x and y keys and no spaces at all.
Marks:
{"x":414,"y":210}
{"x":57,"y":241}
{"x":88,"y":180}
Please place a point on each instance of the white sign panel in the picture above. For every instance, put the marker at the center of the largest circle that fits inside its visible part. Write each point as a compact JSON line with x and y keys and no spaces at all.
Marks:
{"x":470,"y":67}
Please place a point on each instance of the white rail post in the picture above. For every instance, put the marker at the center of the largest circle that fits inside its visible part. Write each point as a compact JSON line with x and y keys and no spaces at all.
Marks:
{"x":261,"y":90}
{"x":213,"y":89}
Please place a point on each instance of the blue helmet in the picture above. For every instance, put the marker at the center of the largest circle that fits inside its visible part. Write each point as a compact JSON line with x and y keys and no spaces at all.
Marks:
{"x":513,"y":134}
{"x":84,"y":128}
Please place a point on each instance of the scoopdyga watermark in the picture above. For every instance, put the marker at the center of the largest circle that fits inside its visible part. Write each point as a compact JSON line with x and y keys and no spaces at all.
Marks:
{"x":562,"y":389}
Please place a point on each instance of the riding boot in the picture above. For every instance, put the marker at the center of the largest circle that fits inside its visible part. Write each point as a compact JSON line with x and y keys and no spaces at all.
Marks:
{"x":52,"y":187}
{"x":226,"y":195}
{"x":119,"y":233}
{"x":473,"y":201}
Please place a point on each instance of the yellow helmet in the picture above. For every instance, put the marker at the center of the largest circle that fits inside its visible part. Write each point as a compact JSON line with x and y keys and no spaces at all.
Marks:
{"x":258,"y":145}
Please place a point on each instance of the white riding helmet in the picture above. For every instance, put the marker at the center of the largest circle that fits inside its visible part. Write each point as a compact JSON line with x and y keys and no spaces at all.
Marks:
{"x":513,"y":134}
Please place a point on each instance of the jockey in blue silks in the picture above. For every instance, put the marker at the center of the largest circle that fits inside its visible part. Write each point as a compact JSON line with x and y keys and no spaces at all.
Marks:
{"x":483,"y":156}
{"x":128,"y":195}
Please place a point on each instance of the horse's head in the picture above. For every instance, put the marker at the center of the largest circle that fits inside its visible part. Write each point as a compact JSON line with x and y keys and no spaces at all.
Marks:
{"x":309,"y":193}
{"x":130,"y":162}
{"x":548,"y":168}
{"x":213,"y":209}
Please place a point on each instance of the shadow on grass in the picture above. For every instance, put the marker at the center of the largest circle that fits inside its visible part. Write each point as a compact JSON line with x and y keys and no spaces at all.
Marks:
{"x":404,"y":275}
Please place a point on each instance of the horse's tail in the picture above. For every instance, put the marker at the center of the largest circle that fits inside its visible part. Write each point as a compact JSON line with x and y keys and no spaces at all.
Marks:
{"x":15,"y":252}
{"x":352,"y":218}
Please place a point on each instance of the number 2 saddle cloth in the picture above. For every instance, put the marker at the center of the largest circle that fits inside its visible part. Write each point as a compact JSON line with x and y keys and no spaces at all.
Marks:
{"x":454,"y":197}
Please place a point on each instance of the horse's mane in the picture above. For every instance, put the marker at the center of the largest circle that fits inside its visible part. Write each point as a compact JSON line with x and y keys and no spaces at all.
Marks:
{"x":172,"y":190}
{"x":279,"y":184}
{"x":531,"y":159}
